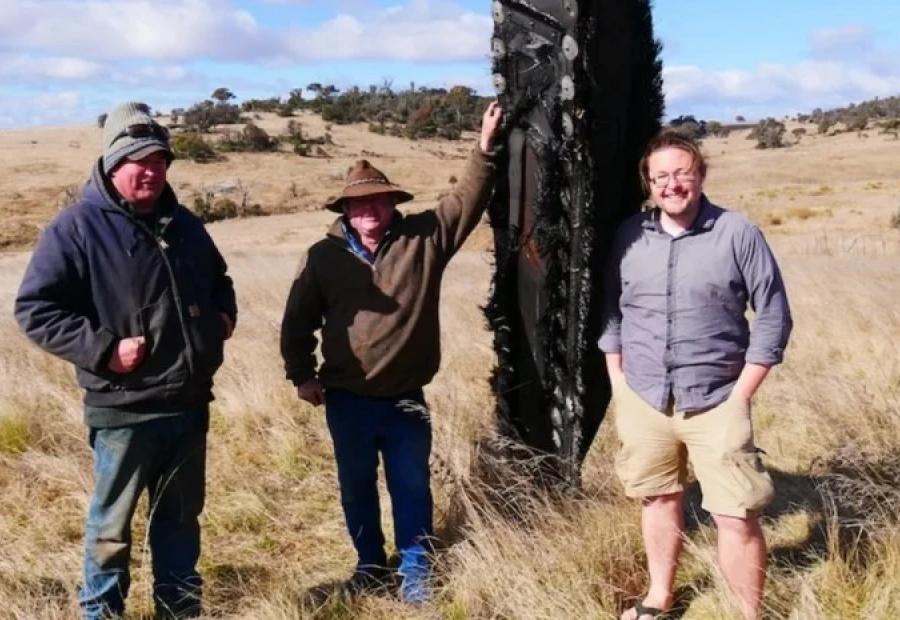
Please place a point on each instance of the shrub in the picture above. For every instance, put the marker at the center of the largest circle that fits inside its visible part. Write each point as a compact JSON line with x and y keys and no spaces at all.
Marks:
{"x":302,"y":145}
{"x":824,"y":125}
{"x":257,"y":139}
{"x":689,"y":126}
{"x":261,"y":105}
{"x":769,"y":134}
{"x":717,"y":129}
{"x":205,"y":115}
{"x":857,"y":122}
{"x":209,"y":209}
{"x":192,"y":146}
{"x":251,"y":138}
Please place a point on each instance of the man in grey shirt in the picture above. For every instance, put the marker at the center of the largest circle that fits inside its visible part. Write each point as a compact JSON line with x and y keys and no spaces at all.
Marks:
{"x":684,"y":365}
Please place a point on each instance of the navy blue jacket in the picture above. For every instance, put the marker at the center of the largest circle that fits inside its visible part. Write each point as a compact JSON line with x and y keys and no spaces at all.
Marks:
{"x":99,"y":274}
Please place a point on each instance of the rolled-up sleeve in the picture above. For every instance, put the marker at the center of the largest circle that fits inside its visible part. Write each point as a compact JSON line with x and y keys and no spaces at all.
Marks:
{"x":611,"y":330}
{"x":767,"y":297}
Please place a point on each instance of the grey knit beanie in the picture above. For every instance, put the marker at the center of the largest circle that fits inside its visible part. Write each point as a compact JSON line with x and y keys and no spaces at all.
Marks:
{"x":118,"y":145}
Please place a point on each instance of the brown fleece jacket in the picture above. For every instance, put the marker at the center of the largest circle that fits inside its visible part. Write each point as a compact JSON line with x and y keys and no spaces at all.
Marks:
{"x":380,"y":330}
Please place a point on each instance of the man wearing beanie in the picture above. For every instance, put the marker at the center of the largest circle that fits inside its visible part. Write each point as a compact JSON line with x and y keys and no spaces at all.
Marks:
{"x":128,"y":286}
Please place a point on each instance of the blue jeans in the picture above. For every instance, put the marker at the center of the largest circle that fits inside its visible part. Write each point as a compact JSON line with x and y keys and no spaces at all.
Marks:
{"x":166,"y":456}
{"x":400,"y":429}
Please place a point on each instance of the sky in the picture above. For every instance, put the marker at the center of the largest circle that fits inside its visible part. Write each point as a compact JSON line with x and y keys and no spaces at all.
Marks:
{"x":67,"y":61}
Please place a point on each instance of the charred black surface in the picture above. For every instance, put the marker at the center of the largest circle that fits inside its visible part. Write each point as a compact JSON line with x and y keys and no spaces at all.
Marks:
{"x":581,"y":84}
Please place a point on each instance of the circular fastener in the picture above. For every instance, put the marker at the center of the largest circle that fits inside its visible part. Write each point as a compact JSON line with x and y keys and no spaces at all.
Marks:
{"x":499,"y":83}
{"x":571,"y":7}
{"x":498,"y":48}
{"x":569,"y":47}
{"x":567,"y":88}
{"x":498,"y":12}
{"x":568,"y":125}
{"x":557,"y":440}
{"x":556,"y":418}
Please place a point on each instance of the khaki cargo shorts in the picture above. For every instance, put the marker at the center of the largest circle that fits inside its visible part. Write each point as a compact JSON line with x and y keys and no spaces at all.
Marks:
{"x":718,"y":442}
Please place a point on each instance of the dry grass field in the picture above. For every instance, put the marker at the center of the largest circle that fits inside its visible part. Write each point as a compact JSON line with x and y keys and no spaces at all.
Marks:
{"x":829,"y":418}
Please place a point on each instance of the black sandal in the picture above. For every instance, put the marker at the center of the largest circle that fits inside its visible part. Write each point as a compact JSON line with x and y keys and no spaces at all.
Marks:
{"x":653,"y":612}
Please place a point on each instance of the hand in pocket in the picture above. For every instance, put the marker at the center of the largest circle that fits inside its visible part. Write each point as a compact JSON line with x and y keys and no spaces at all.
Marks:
{"x":128,"y":354}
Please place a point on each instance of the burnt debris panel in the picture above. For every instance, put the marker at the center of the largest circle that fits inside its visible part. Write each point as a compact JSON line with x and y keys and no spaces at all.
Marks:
{"x":581,"y":85}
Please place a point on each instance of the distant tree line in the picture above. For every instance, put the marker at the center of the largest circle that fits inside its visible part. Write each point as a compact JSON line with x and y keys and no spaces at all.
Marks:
{"x":412,"y":113}
{"x":884,"y":113}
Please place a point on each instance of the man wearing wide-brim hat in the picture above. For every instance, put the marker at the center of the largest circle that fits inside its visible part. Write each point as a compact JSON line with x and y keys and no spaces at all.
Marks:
{"x":372,"y":286}
{"x":127,"y":285}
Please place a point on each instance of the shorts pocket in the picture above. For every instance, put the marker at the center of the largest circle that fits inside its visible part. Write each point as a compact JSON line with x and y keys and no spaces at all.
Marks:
{"x":753,"y":488}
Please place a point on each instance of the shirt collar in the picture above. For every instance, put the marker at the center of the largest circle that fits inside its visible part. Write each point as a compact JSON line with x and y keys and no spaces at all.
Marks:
{"x":356,"y":246}
{"x":706,"y":218}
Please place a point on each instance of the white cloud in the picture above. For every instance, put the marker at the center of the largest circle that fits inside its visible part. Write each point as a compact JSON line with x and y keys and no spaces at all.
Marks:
{"x":188,"y":30}
{"x":41,"y":109}
{"x":23,"y":67}
{"x":775,"y":89}
{"x":420,"y":31}
{"x":148,"y":29}
{"x":58,"y":71}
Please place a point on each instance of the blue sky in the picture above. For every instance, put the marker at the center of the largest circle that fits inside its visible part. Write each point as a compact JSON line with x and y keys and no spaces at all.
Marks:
{"x":66,"y":61}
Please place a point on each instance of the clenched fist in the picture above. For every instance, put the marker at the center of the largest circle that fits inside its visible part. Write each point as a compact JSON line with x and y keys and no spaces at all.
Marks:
{"x":311,"y":391}
{"x":128,"y":354}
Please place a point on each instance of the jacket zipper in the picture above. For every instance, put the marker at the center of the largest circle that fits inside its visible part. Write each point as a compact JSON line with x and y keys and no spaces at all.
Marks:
{"x":161,"y":245}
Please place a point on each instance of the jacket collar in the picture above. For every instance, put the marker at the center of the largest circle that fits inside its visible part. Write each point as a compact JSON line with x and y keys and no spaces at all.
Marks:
{"x":338,"y":231}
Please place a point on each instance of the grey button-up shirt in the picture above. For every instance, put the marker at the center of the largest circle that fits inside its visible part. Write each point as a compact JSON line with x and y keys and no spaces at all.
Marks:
{"x":676,"y":307}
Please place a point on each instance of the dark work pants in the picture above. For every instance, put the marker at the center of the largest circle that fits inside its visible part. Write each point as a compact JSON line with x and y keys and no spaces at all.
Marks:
{"x":400,"y":429}
{"x":166,"y":456}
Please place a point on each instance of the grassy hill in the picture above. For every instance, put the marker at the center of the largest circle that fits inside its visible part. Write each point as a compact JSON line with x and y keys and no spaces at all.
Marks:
{"x":829,"y":418}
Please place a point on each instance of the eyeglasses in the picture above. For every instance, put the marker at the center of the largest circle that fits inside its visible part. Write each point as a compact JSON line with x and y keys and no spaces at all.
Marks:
{"x":144,"y":130}
{"x":662,"y":180}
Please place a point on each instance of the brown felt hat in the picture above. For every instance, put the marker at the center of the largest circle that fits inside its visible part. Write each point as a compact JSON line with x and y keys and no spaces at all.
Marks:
{"x":364,"y":179}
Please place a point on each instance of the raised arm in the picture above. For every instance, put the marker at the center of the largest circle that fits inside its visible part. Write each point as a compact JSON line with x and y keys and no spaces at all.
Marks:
{"x":458,"y":213}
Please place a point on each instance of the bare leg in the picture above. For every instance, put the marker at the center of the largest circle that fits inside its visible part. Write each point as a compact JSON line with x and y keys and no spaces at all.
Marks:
{"x":662,"y":524}
{"x":742,"y":557}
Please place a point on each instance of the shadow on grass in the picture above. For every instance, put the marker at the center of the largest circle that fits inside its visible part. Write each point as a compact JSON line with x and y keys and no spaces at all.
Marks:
{"x":847,"y":498}
{"x":337,"y":598}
